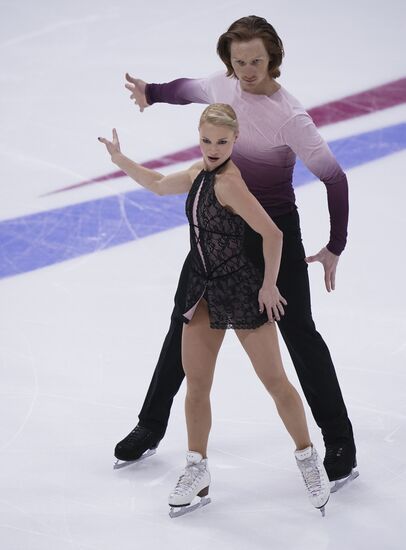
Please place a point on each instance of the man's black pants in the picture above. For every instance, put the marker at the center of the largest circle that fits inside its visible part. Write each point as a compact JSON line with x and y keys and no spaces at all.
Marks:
{"x":307,"y":349}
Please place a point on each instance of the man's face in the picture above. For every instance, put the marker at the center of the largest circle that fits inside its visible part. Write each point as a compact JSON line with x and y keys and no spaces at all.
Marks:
{"x":250,"y":62}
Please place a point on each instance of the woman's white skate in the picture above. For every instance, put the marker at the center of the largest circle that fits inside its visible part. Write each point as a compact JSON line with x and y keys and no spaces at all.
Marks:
{"x":315,"y":477}
{"x":194,"y":482}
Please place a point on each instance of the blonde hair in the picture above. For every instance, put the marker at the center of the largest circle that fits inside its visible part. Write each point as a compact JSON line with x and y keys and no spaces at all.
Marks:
{"x":220,"y":114}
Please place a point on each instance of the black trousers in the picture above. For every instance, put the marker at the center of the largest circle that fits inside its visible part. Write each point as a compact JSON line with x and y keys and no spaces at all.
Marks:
{"x":307,"y":349}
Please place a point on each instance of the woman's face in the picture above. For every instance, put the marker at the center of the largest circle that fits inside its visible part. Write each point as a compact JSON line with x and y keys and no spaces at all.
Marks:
{"x":250,"y":62}
{"x":216,"y":144}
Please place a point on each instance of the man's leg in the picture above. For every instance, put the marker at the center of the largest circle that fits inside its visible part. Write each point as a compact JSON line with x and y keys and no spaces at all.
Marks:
{"x":311,"y":356}
{"x":165,"y":383}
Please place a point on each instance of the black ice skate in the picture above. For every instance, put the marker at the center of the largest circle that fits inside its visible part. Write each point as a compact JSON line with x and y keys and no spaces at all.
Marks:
{"x":340,"y":461}
{"x":139,"y":444}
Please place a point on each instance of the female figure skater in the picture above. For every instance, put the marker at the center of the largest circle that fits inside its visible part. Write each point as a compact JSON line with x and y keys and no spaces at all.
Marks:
{"x":274,"y":129}
{"x":225,"y":289}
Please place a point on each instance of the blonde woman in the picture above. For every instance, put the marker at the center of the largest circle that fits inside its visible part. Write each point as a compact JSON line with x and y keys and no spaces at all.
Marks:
{"x":225,"y":289}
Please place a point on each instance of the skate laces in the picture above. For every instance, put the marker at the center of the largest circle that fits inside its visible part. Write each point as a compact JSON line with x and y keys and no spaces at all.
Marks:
{"x":311,"y":475}
{"x":188,"y":478}
{"x":138,"y":430}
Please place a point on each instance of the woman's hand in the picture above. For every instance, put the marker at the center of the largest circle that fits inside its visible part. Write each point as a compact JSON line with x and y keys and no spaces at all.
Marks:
{"x":329,"y":262}
{"x":113,"y":147}
{"x":270,"y":299}
{"x":137,"y":89}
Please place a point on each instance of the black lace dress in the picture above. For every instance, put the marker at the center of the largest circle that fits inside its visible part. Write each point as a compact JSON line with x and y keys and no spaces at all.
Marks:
{"x":221,"y":272}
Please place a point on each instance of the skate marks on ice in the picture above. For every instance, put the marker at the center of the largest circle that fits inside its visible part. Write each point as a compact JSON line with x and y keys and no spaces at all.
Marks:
{"x":119,"y":464}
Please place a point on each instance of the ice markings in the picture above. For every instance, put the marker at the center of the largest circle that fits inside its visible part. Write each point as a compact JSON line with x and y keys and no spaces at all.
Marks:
{"x":46,"y":238}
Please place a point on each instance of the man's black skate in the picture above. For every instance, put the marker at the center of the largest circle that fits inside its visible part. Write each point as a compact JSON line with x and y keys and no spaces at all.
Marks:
{"x":339,"y":462}
{"x":140,"y":443}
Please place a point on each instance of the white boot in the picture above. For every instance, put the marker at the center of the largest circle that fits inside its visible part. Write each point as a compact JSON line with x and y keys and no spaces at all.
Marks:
{"x":315,"y":477}
{"x":194,"y":481}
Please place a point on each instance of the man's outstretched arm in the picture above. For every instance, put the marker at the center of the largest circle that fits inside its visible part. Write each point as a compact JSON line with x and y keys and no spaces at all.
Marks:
{"x":178,"y":92}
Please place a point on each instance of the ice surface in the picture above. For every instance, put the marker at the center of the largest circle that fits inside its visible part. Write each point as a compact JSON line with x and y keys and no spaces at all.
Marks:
{"x":79,"y":339}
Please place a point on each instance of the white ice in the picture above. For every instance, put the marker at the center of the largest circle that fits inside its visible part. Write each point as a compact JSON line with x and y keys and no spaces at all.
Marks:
{"x":79,"y":340}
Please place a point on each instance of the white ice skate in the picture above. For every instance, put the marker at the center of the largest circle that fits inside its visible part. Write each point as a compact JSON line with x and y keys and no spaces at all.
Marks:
{"x":315,"y":477}
{"x":194,"y":482}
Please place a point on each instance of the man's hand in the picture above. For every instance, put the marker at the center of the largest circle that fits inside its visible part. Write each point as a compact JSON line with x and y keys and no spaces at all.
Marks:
{"x":137,"y":89}
{"x":329,"y":261}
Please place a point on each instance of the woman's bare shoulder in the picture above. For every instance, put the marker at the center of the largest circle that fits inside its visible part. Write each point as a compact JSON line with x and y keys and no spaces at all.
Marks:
{"x":228,"y":186}
{"x":230,"y":180}
{"x":195,"y":169}
{"x":198,"y":165}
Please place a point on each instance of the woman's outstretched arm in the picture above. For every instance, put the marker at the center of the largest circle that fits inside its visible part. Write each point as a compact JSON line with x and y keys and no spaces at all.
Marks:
{"x":173,"y":184}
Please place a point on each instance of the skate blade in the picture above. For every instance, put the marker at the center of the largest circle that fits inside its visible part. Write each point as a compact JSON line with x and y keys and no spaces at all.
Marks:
{"x":323,"y":508}
{"x":323,"y":511}
{"x":177,"y":511}
{"x":340,"y":483}
{"x":124,"y":463}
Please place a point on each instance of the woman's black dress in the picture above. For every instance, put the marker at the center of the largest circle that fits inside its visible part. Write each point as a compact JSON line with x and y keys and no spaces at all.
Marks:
{"x":221,"y":272}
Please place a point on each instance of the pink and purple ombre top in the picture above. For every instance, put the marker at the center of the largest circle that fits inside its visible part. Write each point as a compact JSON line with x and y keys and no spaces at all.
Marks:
{"x":273,"y":131}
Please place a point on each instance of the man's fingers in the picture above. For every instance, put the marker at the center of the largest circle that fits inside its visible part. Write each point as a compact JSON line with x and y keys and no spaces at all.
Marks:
{"x":327,"y":281}
{"x":130,"y":87}
{"x":129,"y":78}
{"x":329,"y":262}
{"x":333,"y":280}
{"x":103,"y":140}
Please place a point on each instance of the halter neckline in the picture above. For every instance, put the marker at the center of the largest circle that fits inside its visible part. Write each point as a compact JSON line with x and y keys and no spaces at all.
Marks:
{"x":217,"y":168}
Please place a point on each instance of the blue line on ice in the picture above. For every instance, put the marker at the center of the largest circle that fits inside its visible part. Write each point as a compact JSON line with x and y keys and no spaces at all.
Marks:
{"x":38,"y":240}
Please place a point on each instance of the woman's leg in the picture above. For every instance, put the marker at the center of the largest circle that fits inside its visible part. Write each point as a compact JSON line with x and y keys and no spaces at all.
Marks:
{"x":200,"y":346}
{"x":262,"y":348}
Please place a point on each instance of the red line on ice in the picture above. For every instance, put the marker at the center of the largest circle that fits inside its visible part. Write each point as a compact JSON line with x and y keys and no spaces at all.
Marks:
{"x":369,"y":101}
